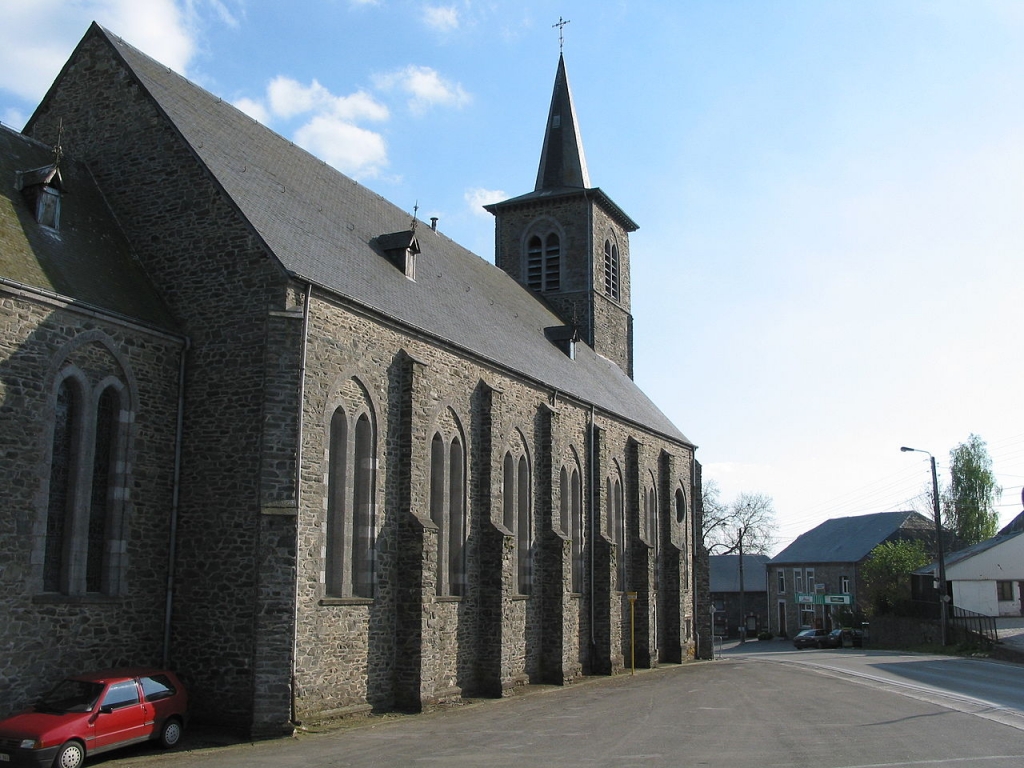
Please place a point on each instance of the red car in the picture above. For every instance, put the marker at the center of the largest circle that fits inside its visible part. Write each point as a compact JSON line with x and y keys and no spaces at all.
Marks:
{"x":93,"y":713}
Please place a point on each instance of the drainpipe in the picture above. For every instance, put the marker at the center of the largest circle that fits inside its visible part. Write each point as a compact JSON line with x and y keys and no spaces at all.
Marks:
{"x":298,"y":485}
{"x":591,"y":450}
{"x":172,"y":549}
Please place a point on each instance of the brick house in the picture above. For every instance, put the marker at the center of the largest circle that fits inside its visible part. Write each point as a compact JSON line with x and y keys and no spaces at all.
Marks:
{"x":262,"y":426}
{"x":816,"y":582}
{"x":729,"y":589}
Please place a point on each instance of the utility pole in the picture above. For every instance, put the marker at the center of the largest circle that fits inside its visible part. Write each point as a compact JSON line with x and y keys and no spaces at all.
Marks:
{"x":743,"y":612}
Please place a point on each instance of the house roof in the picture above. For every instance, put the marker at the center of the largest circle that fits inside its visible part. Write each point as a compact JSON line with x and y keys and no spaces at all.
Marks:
{"x":724,"y":573}
{"x":322,"y":226}
{"x":86,"y":258}
{"x":972,"y":551}
{"x":1014,"y":526}
{"x":851,"y":539}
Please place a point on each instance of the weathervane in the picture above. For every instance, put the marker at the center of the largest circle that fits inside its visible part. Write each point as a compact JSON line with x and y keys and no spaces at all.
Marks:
{"x":561,"y":40}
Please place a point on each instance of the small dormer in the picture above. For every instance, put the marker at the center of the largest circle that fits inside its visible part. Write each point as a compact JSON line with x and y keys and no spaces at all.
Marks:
{"x":42,"y":189}
{"x":401,"y":249}
{"x":565,"y":337}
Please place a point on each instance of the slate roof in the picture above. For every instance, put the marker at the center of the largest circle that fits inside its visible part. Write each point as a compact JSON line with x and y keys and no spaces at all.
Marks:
{"x":851,"y":539}
{"x":87,"y":258}
{"x":1008,"y":533}
{"x":319,"y":224}
{"x":1014,"y":526}
{"x":724,"y":572}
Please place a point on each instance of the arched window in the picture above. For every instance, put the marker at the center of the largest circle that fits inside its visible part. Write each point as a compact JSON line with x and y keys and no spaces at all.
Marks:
{"x":351,"y":515}
{"x":63,"y":474}
{"x":544,"y":263}
{"x":611,"y":270}
{"x":104,"y":482}
{"x":363,"y":518}
{"x":617,"y":529}
{"x":680,"y":504}
{"x":651,"y":516}
{"x":85,"y":492}
{"x":448,"y":511}
{"x":563,"y":501}
{"x":524,"y":538}
{"x":576,"y":532}
{"x":516,"y":517}
{"x":457,"y":517}
{"x":337,"y":482}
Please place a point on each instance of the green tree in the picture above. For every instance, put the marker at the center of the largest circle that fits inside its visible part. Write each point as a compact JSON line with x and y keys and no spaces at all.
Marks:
{"x":970,"y":499}
{"x":886,"y":573}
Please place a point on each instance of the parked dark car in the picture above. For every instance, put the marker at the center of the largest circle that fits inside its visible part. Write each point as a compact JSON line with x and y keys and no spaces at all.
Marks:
{"x":845,"y":638}
{"x":811,"y":638}
{"x":93,"y":713}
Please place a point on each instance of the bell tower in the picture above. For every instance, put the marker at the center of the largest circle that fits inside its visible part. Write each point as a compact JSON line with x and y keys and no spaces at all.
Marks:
{"x":568,"y":241}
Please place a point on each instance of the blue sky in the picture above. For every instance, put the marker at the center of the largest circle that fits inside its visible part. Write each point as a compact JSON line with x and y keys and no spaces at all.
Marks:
{"x":830,"y":194}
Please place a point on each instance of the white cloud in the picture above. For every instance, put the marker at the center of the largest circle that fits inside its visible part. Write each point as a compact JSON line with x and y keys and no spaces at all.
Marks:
{"x":478,"y":197}
{"x":254,"y":109}
{"x":329,"y":128}
{"x":442,"y":18}
{"x":349,"y":148}
{"x":288,"y":98}
{"x":29,"y":61}
{"x":425,"y":87}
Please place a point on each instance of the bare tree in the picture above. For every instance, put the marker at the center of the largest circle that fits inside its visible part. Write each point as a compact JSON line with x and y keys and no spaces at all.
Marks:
{"x":748,"y":522}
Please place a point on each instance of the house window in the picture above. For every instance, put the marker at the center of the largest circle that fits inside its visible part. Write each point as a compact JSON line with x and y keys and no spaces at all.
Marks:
{"x":351,"y":516}
{"x":448,"y":511}
{"x":87,"y":488}
{"x":798,"y":580}
{"x":516,"y":516}
{"x":809,"y":580}
{"x":781,"y":575}
{"x":1004,"y":590}
{"x":611,"y":270}
{"x":845,"y":585}
{"x":543,"y":263}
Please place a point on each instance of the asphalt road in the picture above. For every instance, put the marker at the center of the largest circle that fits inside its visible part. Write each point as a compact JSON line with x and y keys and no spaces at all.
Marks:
{"x":762,"y":705}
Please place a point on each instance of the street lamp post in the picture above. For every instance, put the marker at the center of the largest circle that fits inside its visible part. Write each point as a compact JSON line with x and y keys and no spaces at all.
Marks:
{"x":943,"y":598}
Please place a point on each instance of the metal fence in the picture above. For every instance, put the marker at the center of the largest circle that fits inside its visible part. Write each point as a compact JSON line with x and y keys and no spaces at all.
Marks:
{"x":974,"y":626}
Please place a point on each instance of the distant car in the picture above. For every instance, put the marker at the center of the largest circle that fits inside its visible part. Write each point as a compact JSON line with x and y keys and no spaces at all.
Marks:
{"x":811,"y":638}
{"x":93,"y":713}
{"x":844,"y":638}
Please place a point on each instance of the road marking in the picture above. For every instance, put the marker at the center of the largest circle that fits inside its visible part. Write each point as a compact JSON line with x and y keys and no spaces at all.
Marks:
{"x":957,"y":702}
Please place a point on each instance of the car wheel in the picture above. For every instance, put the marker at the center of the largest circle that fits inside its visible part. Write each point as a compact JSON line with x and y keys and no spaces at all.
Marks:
{"x":71,"y":755}
{"x":170,"y":733}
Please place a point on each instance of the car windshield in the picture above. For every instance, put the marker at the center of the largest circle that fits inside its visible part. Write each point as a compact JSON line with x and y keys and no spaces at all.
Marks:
{"x":71,"y":696}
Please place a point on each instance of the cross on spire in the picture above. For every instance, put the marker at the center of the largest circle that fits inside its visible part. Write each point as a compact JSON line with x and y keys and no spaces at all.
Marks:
{"x":561,"y":40}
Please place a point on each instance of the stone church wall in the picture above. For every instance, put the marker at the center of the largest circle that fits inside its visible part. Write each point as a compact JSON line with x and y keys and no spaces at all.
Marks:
{"x":491,"y":639}
{"x":47,"y":635}
{"x":217,"y":279}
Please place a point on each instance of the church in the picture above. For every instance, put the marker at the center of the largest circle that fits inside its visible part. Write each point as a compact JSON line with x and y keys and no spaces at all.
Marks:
{"x":264,"y":427}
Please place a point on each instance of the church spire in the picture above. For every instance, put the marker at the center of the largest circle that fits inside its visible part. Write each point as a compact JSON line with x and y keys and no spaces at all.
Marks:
{"x":562,"y":163}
